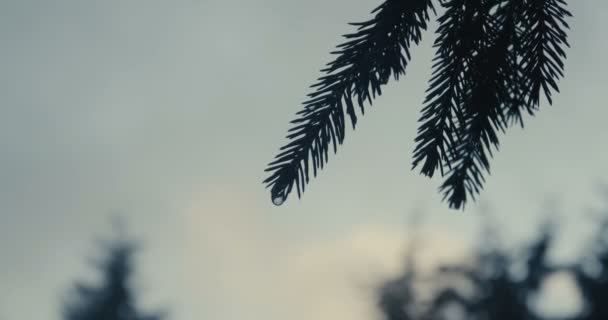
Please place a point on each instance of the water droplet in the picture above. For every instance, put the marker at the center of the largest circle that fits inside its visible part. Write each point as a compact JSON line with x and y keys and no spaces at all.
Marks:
{"x":278,"y":200}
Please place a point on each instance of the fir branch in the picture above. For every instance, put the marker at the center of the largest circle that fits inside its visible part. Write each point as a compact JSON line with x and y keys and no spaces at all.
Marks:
{"x":485,"y":83}
{"x":465,"y":95}
{"x":515,"y":83}
{"x":543,"y":42}
{"x":493,"y":58}
{"x":378,"y":50}
{"x":437,"y":132}
{"x":539,"y":49}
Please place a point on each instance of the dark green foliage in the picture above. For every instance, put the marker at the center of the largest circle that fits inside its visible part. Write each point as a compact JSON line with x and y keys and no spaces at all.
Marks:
{"x":500,"y":284}
{"x":113,"y":299}
{"x":463,"y":108}
{"x":496,"y":284}
{"x":497,"y":293}
{"x":493,"y":58}
{"x":397,"y":298}
{"x":593,"y":283}
{"x":378,"y":50}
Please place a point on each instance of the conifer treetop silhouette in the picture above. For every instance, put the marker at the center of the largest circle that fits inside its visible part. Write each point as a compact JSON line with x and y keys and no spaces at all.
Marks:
{"x":113,"y":299}
{"x":593,"y":284}
{"x":496,"y":293}
{"x":493,"y":58}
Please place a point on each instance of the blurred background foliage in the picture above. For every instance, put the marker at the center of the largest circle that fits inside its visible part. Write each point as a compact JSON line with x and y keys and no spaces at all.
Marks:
{"x":495,"y":283}
{"x":499,"y":283}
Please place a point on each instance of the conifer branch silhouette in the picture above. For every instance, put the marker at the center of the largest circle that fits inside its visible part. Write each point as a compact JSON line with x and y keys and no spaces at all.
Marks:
{"x":493,"y":59}
{"x":378,"y":50}
{"x":543,"y":42}
{"x":465,"y":97}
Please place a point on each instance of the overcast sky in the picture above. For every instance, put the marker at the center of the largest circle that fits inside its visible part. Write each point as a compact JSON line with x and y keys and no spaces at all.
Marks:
{"x":168,"y":111}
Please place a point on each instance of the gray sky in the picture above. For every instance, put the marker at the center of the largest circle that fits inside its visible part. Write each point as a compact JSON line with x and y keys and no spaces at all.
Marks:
{"x":168,"y":111}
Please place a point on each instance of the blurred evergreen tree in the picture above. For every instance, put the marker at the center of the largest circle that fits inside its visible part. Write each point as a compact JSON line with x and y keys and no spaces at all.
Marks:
{"x":488,"y":288}
{"x":592,"y":278}
{"x":397,"y":298}
{"x":113,"y":299}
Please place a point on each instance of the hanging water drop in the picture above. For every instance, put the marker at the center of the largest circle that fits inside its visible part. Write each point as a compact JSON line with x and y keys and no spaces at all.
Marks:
{"x":278,"y":199}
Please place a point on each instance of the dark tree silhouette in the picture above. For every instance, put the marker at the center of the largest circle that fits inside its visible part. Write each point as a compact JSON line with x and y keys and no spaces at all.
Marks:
{"x":113,"y":299}
{"x":487,"y":288}
{"x":493,"y":59}
{"x":497,"y":293}
{"x":592,"y":278}
{"x":397,"y":298}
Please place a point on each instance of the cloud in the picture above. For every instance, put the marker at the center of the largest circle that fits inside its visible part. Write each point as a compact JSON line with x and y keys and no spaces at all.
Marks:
{"x":239,"y":265}
{"x":559,"y":296}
